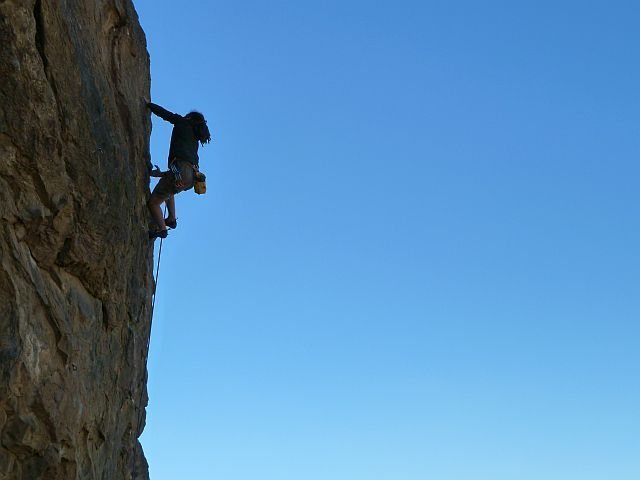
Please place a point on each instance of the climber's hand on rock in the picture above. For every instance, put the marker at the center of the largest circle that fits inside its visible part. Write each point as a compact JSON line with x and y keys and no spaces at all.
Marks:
{"x":156,"y":172}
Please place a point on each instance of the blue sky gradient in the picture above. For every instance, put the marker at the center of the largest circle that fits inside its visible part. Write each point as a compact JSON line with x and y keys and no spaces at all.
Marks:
{"x":418,"y":254}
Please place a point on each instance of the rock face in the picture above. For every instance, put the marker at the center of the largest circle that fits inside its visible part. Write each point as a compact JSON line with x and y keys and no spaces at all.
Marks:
{"x":76,"y":265}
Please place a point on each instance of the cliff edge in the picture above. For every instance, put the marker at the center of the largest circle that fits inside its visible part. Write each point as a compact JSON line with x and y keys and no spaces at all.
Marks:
{"x":76,"y":263}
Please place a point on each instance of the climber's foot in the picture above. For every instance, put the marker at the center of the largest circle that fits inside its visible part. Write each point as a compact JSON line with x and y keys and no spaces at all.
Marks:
{"x":153,"y":234}
{"x":171,"y":222}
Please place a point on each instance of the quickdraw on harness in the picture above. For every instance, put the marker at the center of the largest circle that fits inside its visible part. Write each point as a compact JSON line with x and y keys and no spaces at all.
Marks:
{"x":177,"y":176}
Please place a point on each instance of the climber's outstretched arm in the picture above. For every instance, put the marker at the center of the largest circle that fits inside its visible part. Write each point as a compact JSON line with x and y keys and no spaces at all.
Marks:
{"x":164,"y":113}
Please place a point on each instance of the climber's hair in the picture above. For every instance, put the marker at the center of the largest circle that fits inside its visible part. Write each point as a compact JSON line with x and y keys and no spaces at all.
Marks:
{"x":199,"y":127}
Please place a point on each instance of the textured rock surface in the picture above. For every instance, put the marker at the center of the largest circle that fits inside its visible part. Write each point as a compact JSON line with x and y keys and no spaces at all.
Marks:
{"x":76,"y":266}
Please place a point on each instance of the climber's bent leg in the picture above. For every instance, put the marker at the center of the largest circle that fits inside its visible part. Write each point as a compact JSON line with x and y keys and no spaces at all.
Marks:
{"x":156,"y":212}
{"x":161,"y":193}
{"x":171,"y":208}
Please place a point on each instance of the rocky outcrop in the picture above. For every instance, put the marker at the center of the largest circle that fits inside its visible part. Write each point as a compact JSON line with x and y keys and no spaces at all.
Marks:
{"x":76,"y":265}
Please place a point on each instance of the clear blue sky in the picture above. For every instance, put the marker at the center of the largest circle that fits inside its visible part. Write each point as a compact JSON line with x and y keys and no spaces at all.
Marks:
{"x":418,"y":256}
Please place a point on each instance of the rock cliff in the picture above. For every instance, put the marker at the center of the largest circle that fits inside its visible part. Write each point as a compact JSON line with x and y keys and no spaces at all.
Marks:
{"x":76,"y":265}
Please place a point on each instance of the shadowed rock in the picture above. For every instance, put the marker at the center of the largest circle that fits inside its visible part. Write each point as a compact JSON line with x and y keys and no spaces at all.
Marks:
{"x":75,"y":261}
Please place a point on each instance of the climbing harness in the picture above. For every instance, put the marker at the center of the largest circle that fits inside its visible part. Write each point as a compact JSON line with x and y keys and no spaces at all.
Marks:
{"x":199,"y":178}
{"x":177,"y":175}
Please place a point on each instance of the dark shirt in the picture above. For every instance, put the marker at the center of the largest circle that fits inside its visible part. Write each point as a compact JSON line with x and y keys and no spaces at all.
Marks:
{"x":184,"y":144}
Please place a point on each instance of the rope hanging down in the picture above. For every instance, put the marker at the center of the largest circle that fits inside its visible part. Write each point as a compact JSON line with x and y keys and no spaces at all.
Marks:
{"x":155,"y":284}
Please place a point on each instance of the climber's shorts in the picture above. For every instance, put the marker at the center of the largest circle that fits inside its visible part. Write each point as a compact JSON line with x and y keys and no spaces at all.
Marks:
{"x":168,"y":186}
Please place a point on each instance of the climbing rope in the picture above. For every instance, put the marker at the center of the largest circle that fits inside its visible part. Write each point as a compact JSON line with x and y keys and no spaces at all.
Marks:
{"x":155,"y":283}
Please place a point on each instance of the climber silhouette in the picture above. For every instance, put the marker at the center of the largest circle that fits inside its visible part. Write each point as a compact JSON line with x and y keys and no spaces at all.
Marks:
{"x":188,"y":133}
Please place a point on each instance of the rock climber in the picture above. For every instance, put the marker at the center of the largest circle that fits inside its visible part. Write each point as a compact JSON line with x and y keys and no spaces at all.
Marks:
{"x":189,"y":132}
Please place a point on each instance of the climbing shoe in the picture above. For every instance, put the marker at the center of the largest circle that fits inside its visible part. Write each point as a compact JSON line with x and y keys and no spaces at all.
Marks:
{"x":171,"y":223}
{"x":153,"y":234}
